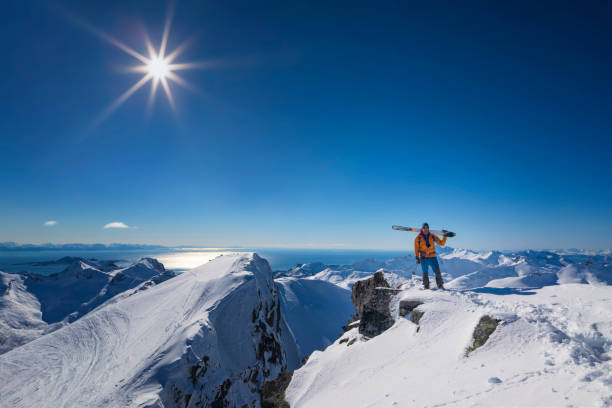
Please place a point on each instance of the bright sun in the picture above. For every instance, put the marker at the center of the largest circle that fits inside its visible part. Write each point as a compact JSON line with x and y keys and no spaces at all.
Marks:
{"x":158,"y":68}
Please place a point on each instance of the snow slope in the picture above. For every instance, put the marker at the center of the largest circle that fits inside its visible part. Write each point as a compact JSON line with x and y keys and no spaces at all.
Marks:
{"x":32,"y":305}
{"x":315,"y":310}
{"x":212,"y":335}
{"x":552,"y":350}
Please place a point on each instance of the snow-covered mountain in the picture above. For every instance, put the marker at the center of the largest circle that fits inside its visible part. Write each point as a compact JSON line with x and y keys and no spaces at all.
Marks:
{"x":551,"y":340}
{"x":232,"y":332}
{"x":208,"y":337}
{"x":524,"y":269}
{"x":468,"y":269}
{"x":550,"y":348}
{"x":32,"y":305}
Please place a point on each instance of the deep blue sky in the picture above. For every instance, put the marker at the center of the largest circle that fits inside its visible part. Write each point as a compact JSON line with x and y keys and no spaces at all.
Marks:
{"x":324,"y":124}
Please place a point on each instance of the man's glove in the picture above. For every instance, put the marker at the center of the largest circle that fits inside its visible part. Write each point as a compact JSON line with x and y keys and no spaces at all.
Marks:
{"x":418,"y":259}
{"x":448,"y":234}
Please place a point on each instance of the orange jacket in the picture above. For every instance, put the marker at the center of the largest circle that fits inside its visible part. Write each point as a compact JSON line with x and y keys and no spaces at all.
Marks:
{"x":420,"y":246}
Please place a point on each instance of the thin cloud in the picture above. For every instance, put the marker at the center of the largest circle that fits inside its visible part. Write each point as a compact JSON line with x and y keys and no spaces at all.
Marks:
{"x":50,"y":223}
{"x":116,"y":224}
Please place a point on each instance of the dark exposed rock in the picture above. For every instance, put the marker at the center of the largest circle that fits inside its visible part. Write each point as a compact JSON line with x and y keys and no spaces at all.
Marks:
{"x":415,"y":316}
{"x":374,"y":322}
{"x":350,"y":343}
{"x":363,"y":290}
{"x":273,"y":391}
{"x":485,"y":327}
{"x":269,"y":341}
{"x":407,"y":306}
{"x":118,"y":278}
{"x":352,"y":323}
{"x":199,"y":370}
{"x":180,"y":399}
{"x":371,"y":300}
{"x":220,"y":401}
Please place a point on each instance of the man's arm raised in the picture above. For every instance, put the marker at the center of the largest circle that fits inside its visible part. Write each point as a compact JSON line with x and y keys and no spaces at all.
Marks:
{"x":440,"y":242}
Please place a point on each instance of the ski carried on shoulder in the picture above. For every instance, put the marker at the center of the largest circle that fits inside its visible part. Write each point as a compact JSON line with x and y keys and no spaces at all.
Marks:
{"x":443,"y":232}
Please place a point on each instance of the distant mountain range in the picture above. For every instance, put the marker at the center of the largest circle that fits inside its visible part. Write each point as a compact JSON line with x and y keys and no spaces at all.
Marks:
{"x":13,"y":246}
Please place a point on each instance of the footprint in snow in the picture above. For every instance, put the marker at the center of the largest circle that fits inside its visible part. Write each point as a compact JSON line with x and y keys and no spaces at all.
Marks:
{"x":494,"y":380}
{"x":592,"y":376}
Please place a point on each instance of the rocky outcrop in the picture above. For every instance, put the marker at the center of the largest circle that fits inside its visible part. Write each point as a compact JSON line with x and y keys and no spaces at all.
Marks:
{"x":407,"y":307}
{"x":352,"y":323}
{"x":371,"y":298}
{"x":485,"y":327}
{"x":273,"y":391}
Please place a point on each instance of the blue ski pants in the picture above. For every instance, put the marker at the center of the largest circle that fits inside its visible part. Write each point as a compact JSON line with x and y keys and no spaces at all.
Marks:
{"x":426,"y":263}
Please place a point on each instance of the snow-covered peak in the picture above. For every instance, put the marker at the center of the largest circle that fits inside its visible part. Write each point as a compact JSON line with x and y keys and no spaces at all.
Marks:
{"x":144,"y":268}
{"x":482,"y":257}
{"x":303,"y":270}
{"x":208,"y":337}
{"x":81,"y":269}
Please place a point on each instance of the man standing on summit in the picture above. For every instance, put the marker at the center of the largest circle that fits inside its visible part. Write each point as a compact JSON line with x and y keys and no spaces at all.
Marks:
{"x":425,"y":252}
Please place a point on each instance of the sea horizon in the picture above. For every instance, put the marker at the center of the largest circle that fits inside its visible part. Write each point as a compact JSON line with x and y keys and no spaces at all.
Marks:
{"x":182,"y":259}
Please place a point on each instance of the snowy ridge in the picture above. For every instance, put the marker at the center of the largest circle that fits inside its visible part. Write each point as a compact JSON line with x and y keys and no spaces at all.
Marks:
{"x":552,"y":349}
{"x":32,"y":305}
{"x":212,"y":335}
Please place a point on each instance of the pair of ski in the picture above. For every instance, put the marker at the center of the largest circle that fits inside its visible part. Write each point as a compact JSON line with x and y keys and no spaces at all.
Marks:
{"x":443,"y":232}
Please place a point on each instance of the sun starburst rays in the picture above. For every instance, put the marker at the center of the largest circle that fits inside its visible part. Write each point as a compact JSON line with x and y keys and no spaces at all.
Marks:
{"x":158,"y":67}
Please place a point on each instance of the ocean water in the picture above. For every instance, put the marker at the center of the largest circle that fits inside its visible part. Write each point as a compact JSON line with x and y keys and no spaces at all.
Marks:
{"x":182,"y":259}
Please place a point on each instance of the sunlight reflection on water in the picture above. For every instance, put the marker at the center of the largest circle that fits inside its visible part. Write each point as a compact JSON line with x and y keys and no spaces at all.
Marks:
{"x":181,"y":261}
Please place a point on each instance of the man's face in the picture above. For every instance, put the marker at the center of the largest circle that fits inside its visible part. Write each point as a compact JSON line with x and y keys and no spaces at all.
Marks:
{"x":426,"y":230}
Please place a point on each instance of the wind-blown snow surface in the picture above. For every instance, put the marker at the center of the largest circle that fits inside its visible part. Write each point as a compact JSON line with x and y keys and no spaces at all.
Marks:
{"x":20,"y":317}
{"x":32,"y":305}
{"x":551,"y":350}
{"x":210,"y":335}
